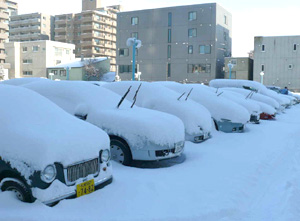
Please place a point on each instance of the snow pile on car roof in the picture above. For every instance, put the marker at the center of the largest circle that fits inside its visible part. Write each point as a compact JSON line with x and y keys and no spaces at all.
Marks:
{"x":260,"y":88}
{"x":21,"y":81}
{"x":157,"y":97}
{"x":100,"y":106}
{"x":35,"y":132}
{"x":219,"y":107}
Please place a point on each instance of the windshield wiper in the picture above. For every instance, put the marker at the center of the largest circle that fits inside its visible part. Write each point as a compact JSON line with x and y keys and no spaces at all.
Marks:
{"x":217,"y":90}
{"x":136,"y":93}
{"x":189,"y":94}
{"x":122,"y":99}
{"x":220,"y":94}
{"x":250,"y":94}
{"x":181,"y":96}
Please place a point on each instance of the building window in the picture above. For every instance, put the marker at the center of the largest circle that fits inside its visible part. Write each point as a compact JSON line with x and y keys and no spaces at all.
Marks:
{"x":63,"y":73}
{"x":27,"y":61}
{"x":225,"y":20}
{"x":225,"y":36}
{"x":291,"y":66}
{"x":192,"y":16}
{"x":262,"y":67}
{"x":190,"y":49}
{"x":169,"y":70}
{"x":27,"y":73}
{"x":199,"y":68}
{"x":126,"y":68}
{"x":123,"y":52}
{"x":24,"y":49}
{"x":54,"y":72}
{"x":170,"y":19}
{"x":35,"y":48}
{"x":169,"y":51}
{"x":134,"y":20}
{"x":233,"y":61}
{"x":192,"y":32}
{"x":169,"y":35}
{"x":295,"y":47}
{"x":205,"y":49}
{"x":67,"y":51}
{"x":58,"y":51}
{"x":263,"y":48}
{"x":135,"y":35}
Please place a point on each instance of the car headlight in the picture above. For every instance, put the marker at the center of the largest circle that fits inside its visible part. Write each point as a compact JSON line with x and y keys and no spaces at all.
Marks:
{"x":49,"y":173}
{"x":105,"y":155}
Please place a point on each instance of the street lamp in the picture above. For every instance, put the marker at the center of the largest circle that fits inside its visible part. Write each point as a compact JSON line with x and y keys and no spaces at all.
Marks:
{"x":230,"y":66}
{"x":262,"y":77}
{"x":134,"y":43}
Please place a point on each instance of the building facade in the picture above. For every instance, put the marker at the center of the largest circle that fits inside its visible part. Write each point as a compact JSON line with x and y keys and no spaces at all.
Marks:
{"x":7,"y":8}
{"x":31,"y":59}
{"x":242,"y":68}
{"x":184,"y":43}
{"x":279,"y":59}
{"x":93,"y":31}
{"x":31,"y":27}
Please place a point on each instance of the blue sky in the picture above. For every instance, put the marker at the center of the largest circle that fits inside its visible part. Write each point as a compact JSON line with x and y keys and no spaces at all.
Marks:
{"x":250,"y":18}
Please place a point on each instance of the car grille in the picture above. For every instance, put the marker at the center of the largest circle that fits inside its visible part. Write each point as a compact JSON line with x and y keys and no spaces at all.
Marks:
{"x":82,"y":170}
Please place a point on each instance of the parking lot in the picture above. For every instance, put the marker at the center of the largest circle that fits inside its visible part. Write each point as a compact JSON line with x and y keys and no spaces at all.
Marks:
{"x":248,"y":176}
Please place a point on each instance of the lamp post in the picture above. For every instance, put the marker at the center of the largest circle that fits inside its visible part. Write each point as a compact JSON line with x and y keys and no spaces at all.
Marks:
{"x":68,"y":72}
{"x":230,"y":66}
{"x":262,"y":77}
{"x":134,"y":43}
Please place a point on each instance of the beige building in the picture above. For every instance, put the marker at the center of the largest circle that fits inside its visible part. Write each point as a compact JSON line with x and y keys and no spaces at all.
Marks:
{"x":31,"y":27}
{"x":7,"y":8}
{"x":93,"y":31}
{"x":242,"y":68}
{"x":31,"y":59}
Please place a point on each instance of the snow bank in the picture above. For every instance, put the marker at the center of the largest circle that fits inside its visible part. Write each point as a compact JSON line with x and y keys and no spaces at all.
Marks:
{"x":100,"y":104}
{"x":109,"y":77}
{"x":37,"y":132}
{"x":220,"y":83}
{"x":219,"y":107}
{"x":21,"y":81}
{"x":255,"y":96}
{"x":157,"y":97}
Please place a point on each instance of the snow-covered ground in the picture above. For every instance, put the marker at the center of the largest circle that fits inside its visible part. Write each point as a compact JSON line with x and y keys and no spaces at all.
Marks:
{"x":249,"y":176}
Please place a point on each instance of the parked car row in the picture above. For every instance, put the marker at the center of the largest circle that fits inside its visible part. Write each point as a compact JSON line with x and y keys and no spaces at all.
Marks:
{"x":58,"y":137}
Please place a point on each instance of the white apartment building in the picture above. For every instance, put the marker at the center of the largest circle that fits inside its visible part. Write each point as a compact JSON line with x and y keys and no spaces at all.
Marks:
{"x":31,"y":59}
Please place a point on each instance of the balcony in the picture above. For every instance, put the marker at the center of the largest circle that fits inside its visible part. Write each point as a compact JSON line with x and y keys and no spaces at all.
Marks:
{"x":4,"y":26}
{"x":2,"y":46}
{"x":60,"y":37}
{"x":2,"y":56}
{"x":3,"y":36}
{"x":4,"y":15}
{"x":36,"y":28}
{"x":25,"y":21}
{"x":3,"y":5}
{"x":60,"y":29}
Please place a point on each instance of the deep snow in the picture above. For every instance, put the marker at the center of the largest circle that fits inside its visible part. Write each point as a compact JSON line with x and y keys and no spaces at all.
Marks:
{"x":249,"y":176}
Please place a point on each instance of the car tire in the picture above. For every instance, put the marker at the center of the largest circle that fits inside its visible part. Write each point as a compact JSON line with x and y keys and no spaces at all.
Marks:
{"x":120,"y":152}
{"x":22,"y":192}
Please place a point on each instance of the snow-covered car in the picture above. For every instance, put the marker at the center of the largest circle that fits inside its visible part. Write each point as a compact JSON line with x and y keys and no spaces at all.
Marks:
{"x":196,"y":118}
{"x":267,"y":105}
{"x":45,"y":153}
{"x":228,"y":116}
{"x":135,"y":133}
{"x":251,"y":85}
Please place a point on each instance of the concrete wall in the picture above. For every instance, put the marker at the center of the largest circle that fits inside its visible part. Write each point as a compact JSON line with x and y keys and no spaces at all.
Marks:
{"x":152,"y":30}
{"x":242,"y":69}
{"x":281,"y":62}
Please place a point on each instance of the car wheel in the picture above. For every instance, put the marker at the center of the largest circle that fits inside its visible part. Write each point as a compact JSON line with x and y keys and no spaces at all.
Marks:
{"x":120,"y":152}
{"x":22,"y":192}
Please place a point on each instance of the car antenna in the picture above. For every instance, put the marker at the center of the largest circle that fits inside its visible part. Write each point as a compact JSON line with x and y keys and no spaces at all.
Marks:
{"x":220,"y":94}
{"x":181,"y":96}
{"x":122,"y":99}
{"x":189,"y":94}
{"x":136,"y":93}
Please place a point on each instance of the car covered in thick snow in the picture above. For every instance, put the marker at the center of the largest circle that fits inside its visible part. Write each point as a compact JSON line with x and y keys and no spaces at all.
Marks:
{"x":135,"y":133}
{"x":196,"y":118}
{"x":252,"y":85}
{"x":45,"y":153}
{"x":228,"y":116}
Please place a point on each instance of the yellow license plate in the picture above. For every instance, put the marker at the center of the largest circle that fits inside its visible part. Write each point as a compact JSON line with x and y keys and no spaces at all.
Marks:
{"x":85,"y":188}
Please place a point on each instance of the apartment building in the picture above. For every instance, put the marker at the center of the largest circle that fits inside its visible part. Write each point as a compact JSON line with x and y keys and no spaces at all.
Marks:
{"x":7,"y":8}
{"x":279,"y":58}
{"x":31,"y":59}
{"x":183,"y":43}
{"x":31,"y":27}
{"x":93,"y":31}
{"x":242,"y":68}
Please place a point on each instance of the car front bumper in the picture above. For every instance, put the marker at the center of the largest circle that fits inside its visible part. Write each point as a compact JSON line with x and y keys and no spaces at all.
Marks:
{"x":230,"y":127}
{"x":197,"y":138}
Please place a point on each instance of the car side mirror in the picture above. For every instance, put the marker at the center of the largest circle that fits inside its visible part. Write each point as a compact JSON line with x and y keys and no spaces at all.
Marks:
{"x":81,"y":111}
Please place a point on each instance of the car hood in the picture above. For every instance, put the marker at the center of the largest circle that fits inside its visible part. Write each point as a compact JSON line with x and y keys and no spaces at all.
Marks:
{"x":138,"y":125}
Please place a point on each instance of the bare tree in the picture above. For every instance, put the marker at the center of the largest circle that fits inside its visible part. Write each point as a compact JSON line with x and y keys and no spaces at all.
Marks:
{"x":91,"y":71}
